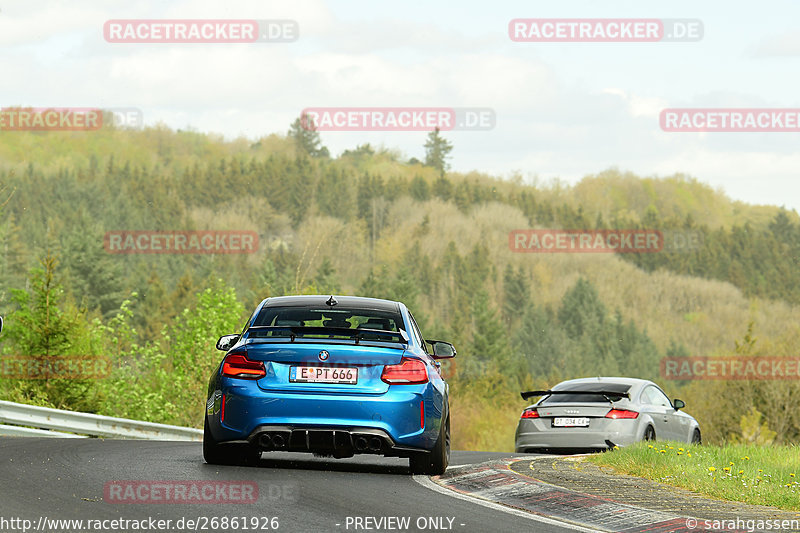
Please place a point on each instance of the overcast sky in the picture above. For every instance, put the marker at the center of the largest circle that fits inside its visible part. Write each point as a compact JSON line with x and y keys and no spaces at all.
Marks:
{"x":563,"y":109}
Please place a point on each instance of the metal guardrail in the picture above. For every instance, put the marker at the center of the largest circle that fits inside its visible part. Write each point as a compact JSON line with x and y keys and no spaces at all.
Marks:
{"x":74,"y":424}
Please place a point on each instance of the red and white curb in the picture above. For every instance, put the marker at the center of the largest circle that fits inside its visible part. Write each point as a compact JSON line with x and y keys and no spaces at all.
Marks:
{"x":494,"y":482}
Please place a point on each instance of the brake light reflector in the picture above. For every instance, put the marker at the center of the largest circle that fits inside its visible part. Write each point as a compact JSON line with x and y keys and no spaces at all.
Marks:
{"x":621,"y":414}
{"x":408,"y":372}
{"x":530,"y":412}
{"x":422,"y":414}
{"x":237,"y":365}
{"x":222,"y":409}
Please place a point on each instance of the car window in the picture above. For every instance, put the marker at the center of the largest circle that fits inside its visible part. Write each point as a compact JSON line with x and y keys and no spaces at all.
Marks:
{"x":645,"y":397}
{"x":661,"y":398}
{"x":338,"y":319}
{"x":654,"y":396}
{"x":417,"y":333}
{"x":341,"y":317}
{"x":575,"y":398}
{"x":249,"y":321}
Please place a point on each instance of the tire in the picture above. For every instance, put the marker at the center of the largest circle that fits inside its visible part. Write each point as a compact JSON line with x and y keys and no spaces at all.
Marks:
{"x":436,"y":462}
{"x":649,"y":434}
{"x":216,"y":453}
{"x":697,"y":438}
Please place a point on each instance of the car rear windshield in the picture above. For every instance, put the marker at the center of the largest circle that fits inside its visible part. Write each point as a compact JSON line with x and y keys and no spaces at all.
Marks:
{"x":354,"y":319}
{"x":588,"y":393}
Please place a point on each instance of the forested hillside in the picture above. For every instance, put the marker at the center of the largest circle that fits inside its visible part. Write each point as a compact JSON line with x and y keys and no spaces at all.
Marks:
{"x":371,"y":223}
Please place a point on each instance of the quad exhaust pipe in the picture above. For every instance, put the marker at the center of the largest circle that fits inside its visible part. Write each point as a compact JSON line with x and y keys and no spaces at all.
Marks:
{"x":343,"y":443}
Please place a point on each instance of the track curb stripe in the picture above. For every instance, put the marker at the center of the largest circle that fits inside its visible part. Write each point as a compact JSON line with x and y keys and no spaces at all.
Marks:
{"x":428,"y":483}
{"x":494,"y":482}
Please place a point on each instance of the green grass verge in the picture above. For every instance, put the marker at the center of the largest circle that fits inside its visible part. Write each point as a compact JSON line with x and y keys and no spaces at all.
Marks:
{"x":762,"y":475}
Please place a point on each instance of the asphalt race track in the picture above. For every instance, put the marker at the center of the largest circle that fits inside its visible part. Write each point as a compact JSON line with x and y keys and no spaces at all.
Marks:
{"x":46,"y":478}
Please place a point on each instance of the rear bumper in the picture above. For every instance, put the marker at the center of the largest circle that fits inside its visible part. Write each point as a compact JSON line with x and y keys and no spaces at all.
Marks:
{"x":333,"y":441}
{"x":537,"y":434}
{"x":326,"y":422}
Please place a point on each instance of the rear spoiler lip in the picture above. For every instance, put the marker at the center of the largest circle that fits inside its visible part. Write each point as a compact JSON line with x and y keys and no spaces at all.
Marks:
{"x":534,"y":393}
{"x":353,"y":334}
{"x":256,"y":343}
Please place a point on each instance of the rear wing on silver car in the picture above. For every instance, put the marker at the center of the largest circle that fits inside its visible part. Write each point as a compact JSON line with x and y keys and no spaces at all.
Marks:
{"x":605,"y":393}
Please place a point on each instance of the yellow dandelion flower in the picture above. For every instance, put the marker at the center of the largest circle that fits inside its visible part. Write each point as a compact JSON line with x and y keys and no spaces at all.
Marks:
{"x":741,"y":472}
{"x":689,"y":454}
{"x":791,"y":475}
{"x":680,"y":449}
{"x":712,"y":469}
{"x":727,"y":469}
{"x":680,"y":453}
{"x":731,"y":463}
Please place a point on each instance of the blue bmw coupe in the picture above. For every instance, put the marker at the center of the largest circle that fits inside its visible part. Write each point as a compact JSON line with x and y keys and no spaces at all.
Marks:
{"x":335,"y":376}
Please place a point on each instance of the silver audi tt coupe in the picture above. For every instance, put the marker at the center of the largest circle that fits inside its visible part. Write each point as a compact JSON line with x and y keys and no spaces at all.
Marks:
{"x":600,"y":413}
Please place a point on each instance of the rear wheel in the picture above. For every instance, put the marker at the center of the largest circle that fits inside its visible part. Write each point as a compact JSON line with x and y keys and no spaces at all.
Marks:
{"x":696,"y":437}
{"x":436,"y":462}
{"x":649,"y":433}
{"x":216,"y":453}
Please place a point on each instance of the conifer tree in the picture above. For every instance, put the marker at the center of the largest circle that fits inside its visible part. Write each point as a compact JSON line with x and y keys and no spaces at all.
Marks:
{"x":581,"y":310}
{"x":306,"y":138}
{"x":437,"y":151}
{"x":516,"y":292}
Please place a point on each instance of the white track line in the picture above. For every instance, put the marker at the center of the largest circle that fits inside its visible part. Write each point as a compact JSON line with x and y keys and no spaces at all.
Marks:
{"x":426,"y":482}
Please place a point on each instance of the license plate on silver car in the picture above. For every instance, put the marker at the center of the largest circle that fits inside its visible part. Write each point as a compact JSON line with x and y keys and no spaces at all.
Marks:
{"x":569,"y":422}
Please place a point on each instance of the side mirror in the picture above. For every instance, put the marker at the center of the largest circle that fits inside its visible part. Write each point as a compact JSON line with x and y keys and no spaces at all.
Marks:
{"x":442,"y":350}
{"x":226,"y":341}
{"x":678,"y":404}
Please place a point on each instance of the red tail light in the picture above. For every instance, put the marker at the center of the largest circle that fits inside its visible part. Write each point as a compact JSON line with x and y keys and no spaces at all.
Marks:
{"x":408,"y":372}
{"x":621,"y":414}
{"x":237,"y":365}
{"x":530,"y":412}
